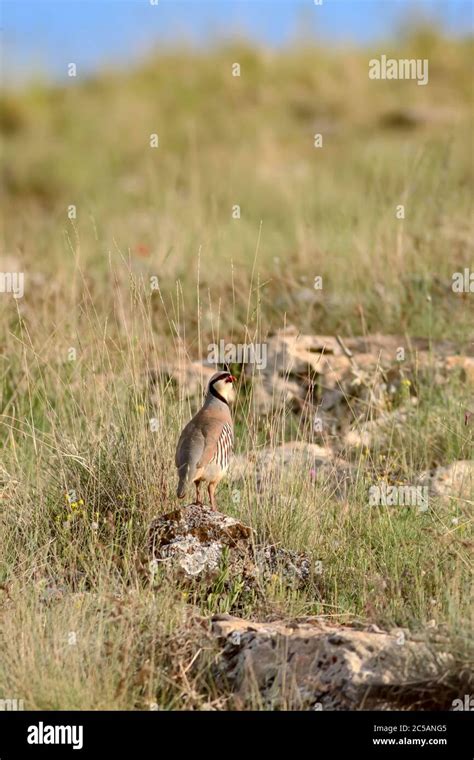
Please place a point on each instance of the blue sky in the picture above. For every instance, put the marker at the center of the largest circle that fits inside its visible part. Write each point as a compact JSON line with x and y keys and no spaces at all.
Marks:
{"x":45,"y":35}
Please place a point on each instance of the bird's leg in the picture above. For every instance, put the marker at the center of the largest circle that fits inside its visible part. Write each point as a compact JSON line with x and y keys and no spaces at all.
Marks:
{"x":211,"y":489}
{"x":198,"y":498}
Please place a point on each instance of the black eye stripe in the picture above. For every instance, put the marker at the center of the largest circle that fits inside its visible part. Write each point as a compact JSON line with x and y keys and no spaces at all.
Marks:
{"x":220,"y":377}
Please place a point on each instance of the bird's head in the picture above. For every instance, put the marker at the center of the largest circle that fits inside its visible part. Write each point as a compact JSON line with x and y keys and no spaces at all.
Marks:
{"x":221,"y":385}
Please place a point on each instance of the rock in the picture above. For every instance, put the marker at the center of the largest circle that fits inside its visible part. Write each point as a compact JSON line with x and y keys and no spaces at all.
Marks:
{"x":270,"y":462}
{"x":455,"y":481}
{"x":198,"y":543}
{"x":294,"y":453}
{"x":297,"y":357}
{"x":378,"y":431}
{"x":193,"y":539}
{"x":190,"y":378}
{"x":316,"y":665}
{"x":337,"y":379}
{"x":270,"y":467}
{"x":283,"y":563}
{"x":333,"y":379}
{"x":462,"y":364}
{"x":270,"y":392}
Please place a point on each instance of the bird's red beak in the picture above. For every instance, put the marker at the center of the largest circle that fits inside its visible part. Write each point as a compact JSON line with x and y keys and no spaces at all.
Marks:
{"x":231,"y":379}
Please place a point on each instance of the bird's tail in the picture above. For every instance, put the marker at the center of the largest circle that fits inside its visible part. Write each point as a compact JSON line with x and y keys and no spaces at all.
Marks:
{"x":182,"y":482}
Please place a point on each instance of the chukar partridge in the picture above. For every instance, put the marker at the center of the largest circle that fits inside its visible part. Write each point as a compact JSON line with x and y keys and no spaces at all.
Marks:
{"x":206,"y":443}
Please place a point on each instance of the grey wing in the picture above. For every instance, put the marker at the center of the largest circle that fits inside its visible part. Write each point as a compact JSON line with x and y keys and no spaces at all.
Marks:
{"x":189,"y":450}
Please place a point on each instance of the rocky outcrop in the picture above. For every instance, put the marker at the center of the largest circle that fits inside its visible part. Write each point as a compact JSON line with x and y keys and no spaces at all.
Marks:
{"x":193,"y":540}
{"x":451,"y":483}
{"x":189,"y":377}
{"x":317,"y":665}
{"x":271,"y":466}
{"x":341,"y":379}
{"x":380,"y":430}
{"x":197,"y":543}
{"x":332,"y":379}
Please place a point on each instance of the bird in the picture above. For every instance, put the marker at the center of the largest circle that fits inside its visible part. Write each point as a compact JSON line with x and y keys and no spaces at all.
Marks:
{"x":206,"y":443}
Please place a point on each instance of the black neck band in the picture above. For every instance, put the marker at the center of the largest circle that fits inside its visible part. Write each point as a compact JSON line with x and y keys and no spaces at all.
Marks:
{"x":216,"y":394}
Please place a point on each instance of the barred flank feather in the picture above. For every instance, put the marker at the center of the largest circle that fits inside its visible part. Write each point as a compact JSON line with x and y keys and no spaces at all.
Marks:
{"x":224,"y":447}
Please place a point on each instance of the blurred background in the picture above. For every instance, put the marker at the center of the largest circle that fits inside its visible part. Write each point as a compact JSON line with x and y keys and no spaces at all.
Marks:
{"x":235,"y":172}
{"x":44,"y":35}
